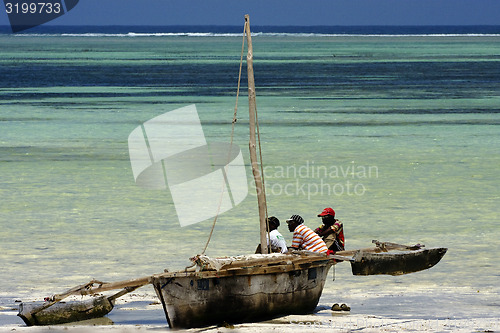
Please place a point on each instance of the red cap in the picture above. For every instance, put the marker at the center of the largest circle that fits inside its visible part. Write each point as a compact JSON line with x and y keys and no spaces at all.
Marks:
{"x":327,"y":211}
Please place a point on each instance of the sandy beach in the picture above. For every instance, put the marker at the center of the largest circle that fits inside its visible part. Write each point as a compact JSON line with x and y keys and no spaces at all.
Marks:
{"x":307,"y":323}
{"x":143,"y":313}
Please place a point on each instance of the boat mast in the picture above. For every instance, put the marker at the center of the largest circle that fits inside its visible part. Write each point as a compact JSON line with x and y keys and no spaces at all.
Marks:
{"x":261,"y":197}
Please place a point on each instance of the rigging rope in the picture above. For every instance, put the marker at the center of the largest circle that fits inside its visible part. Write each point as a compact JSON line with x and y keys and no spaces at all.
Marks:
{"x":261,"y":164}
{"x":231,"y":143}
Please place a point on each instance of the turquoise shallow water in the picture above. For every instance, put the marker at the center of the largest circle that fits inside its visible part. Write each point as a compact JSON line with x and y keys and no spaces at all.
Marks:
{"x":416,"y":118}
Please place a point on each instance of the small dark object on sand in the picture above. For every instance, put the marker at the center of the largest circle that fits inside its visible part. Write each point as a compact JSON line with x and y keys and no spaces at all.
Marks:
{"x":343,"y":307}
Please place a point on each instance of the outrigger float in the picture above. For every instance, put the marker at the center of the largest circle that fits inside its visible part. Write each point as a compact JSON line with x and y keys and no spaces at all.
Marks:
{"x":238,"y":289}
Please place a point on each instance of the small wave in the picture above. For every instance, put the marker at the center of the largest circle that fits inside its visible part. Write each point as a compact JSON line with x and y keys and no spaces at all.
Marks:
{"x":262,"y":34}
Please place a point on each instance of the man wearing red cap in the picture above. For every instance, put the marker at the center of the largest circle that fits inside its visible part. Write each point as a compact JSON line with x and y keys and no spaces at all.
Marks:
{"x":332,"y":231}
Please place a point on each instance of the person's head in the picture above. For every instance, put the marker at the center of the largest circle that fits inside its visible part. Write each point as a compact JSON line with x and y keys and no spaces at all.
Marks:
{"x":328,"y":216}
{"x":273,"y":223}
{"x":294,"y":221}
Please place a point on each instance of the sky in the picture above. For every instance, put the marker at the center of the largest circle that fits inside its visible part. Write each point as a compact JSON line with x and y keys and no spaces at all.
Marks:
{"x":280,"y":13}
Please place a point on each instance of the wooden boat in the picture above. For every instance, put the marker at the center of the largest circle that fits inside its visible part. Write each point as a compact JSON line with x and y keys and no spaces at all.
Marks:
{"x":238,"y":289}
{"x":253,"y":290}
{"x":380,"y":260}
{"x":245,"y":288}
{"x":396,"y":263}
{"x":235,"y":289}
{"x":259,"y":287}
{"x":249,"y":288}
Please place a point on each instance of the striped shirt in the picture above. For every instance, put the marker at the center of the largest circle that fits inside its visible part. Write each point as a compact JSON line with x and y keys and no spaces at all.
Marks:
{"x":305,"y":238}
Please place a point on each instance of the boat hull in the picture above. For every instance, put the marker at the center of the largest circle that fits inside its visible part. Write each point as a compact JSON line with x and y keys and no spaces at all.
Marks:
{"x":242,"y":295}
{"x":396,"y":263}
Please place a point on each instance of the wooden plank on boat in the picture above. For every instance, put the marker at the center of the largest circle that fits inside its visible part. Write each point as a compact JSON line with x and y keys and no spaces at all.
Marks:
{"x":381,"y":247}
{"x":266,"y":260}
{"x":103,"y":286}
{"x":252,"y":270}
{"x":396,"y":263}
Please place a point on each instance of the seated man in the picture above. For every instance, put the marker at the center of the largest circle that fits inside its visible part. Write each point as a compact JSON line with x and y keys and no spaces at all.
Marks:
{"x":276,"y":239}
{"x":332,"y":231}
{"x":303,"y":237}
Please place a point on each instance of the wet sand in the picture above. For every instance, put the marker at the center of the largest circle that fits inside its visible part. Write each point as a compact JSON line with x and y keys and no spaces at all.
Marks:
{"x":143,"y":313}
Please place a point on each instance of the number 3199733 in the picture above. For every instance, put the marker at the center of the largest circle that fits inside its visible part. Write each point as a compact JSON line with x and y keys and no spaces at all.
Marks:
{"x":33,"y":8}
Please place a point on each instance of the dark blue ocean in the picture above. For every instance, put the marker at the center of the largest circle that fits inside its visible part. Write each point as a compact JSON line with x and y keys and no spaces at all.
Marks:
{"x":396,"y":128}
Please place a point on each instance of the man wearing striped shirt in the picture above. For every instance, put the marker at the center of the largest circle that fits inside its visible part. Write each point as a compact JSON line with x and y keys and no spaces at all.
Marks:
{"x":303,"y":237}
